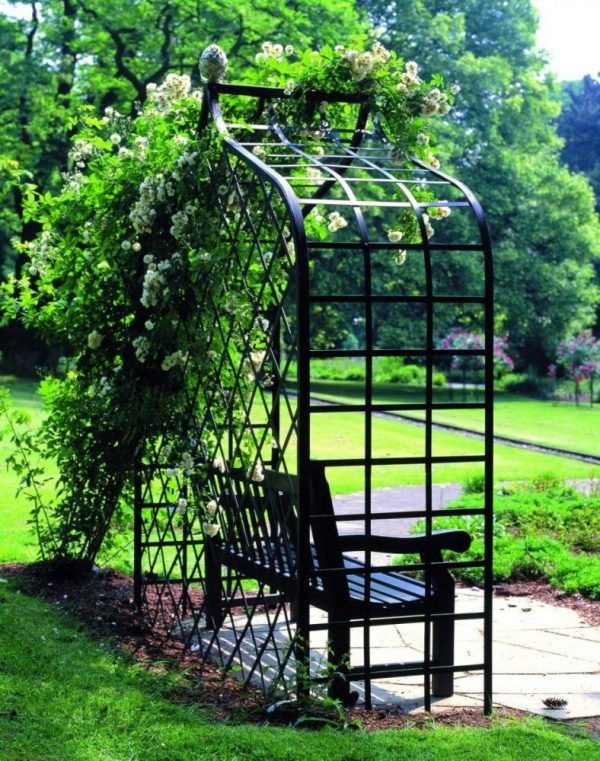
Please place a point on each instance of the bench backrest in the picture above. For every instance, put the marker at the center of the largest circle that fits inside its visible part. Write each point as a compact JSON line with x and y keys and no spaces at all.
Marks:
{"x":259,"y":524}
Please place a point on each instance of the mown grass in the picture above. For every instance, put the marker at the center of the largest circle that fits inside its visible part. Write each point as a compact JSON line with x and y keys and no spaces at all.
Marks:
{"x":18,"y":540}
{"x":554,"y":424}
{"x":339,"y":434}
{"x":64,"y":697}
{"x":342,"y":435}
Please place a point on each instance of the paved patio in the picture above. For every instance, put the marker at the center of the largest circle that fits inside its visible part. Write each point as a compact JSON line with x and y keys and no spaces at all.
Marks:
{"x":540,"y":651}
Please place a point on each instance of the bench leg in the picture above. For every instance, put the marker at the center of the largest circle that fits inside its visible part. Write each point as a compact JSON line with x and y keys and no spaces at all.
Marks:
{"x":338,"y":662}
{"x":213,"y":606}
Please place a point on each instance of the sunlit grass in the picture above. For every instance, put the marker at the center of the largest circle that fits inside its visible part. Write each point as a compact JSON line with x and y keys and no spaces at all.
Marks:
{"x":63,"y":697}
{"x":18,"y":539}
{"x":554,"y":424}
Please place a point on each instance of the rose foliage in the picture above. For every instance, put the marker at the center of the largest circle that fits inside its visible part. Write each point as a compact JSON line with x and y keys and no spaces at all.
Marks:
{"x":130,"y":256}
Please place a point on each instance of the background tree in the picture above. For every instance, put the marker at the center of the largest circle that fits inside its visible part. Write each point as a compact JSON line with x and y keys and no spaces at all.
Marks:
{"x":89,"y":53}
{"x":68,"y":56}
{"x":579,"y":125}
{"x":501,"y":140}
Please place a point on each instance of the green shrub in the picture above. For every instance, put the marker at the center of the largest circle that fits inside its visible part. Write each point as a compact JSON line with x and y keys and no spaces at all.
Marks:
{"x":385,"y":370}
{"x":542,"y":530}
{"x":474,"y":484}
{"x":527,"y":383}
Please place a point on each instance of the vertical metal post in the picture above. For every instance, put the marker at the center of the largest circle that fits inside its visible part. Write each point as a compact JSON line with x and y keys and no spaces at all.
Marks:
{"x":137,"y":536}
{"x":303,"y":459}
{"x":368,"y":454}
{"x":185,"y":530}
{"x":276,"y":391}
{"x":489,"y":471}
{"x":428,"y":453}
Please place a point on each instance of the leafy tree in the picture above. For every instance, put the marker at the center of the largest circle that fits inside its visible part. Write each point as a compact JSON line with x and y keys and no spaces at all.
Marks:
{"x":89,"y":53}
{"x":579,"y":125}
{"x":67,"y":58}
{"x":501,"y":139}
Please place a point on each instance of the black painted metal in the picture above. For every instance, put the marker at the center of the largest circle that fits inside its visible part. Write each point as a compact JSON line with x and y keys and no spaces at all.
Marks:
{"x":248,"y":596}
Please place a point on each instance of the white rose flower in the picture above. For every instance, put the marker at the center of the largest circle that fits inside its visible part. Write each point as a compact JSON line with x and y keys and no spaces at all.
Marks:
{"x":219,"y":464}
{"x":257,"y":474}
{"x":336,"y":221}
{"x":94,"y":339}
{"x":210,"y":529}
{"x":182,"y":506}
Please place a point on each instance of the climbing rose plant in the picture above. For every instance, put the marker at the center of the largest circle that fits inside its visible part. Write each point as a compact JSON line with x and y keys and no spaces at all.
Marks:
{"x":128,"y":253}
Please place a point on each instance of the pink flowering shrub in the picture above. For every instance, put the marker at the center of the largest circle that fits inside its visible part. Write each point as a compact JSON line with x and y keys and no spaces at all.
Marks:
{"x":461,"y":340}
{"x":578,"y":358}
{"x":502,"y":361}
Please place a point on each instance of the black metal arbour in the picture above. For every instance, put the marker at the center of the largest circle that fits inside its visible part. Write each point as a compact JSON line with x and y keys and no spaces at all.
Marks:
{"x":276,"y":176}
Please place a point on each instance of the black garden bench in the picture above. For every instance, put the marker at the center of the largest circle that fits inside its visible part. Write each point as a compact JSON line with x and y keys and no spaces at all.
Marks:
{"x":258,"y":540}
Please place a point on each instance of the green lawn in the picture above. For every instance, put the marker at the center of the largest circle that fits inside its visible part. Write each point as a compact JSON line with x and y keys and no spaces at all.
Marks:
{"x":339,"y":435}
{"x":64,"y":697}
{"x":555,"y":424}
{"x":18,"y":542}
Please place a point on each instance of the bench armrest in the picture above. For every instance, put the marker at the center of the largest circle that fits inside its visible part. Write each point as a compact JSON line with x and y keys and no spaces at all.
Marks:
{"x":446,"y":539}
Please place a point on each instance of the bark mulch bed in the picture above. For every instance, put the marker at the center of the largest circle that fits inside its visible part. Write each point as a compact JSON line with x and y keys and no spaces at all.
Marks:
{"x":103,"y":604}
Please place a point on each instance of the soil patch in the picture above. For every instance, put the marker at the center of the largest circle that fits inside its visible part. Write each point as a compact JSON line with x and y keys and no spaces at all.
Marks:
{"x":589,"y":610}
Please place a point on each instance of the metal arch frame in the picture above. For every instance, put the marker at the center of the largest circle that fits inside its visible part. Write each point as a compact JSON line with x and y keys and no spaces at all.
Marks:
{"x":335,"y":176}
{"x":295,"y":213}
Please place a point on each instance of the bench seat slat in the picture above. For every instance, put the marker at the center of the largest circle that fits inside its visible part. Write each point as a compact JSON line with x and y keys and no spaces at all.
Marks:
{"x":386,"y":588}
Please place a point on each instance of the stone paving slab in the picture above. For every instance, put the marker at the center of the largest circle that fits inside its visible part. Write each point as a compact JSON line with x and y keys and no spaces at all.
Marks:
{"x":585,"y":633}
{"x":540,"y":651}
